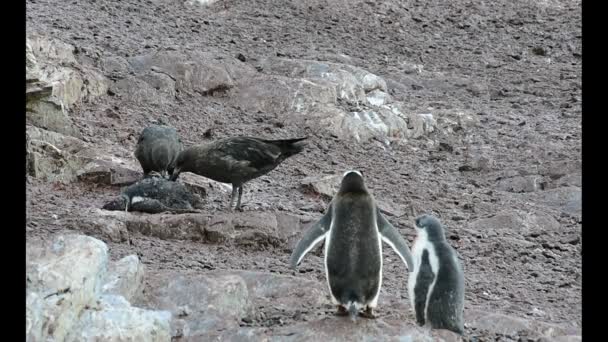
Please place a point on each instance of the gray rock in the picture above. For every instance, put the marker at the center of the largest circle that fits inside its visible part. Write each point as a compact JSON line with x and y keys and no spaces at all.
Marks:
{"x":324,"y":185}
{"x":52,"y":62}
{"x":98,"y":222}
{"x":280,"y":94}
{"x":563,"y":338}
{"x":64,"y":301}
{"x":350,"y":83}
{"x":65,"y":277}
{"x":516,"y":221}
{"x":567,"y":199}
{"x":250,"y":230}
{"x":520,"y":184}
{"x":114,"y":319}
{"x":378,"y":98}
{"x":379,"y":123}
{"x":106,"y":170}
{"x":200,"y":2}
{"x":200,"y":72}
{"x":214,"y":302}
{"x":284,"y":292}
{"x":53,"y":156}
{"x":336,"y":329}
{"x":509,"y":325}
{"x":125,"y":277}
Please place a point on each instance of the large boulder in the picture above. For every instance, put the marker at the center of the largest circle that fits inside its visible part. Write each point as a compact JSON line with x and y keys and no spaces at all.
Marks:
{"x":125,"y":277}
{"x":200,"y":304}
{"x":62,"y":279}
{"x":56,"y":83}
{"x":143,"y":78}
{"x":53,"y":156}
{"x":249,"y":230}
{"x":65,"y":281}
{"x":114,"y":319}
{"x":350,"y":83}
{"x":299,"y":97}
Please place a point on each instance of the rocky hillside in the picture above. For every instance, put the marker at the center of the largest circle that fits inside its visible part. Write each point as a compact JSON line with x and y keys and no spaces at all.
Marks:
{"x":465,"y":109}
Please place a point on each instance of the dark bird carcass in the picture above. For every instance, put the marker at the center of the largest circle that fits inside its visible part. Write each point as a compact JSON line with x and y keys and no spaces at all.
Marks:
{"x":157,"y":149}
{"x":155,"y":195}
{"x":236,"y":160}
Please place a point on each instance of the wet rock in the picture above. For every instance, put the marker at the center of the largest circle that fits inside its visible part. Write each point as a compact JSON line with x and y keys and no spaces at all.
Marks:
{"x":125,"y":277}
{"x":517,"y":221}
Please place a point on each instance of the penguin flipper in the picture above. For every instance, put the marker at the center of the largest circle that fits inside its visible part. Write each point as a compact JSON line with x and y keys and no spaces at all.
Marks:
{"x":390,"y":236}
{"x":421,"y":289}
{"x":311,"y":238}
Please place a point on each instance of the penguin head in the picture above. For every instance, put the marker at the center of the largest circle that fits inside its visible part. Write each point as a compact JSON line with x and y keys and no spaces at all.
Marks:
{"x":352,"y":181}
{"x":119,"y":203}
{"x":431,"y":226}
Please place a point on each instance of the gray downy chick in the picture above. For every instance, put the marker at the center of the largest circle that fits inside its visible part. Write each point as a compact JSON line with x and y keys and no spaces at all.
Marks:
{"x":155,"y":195}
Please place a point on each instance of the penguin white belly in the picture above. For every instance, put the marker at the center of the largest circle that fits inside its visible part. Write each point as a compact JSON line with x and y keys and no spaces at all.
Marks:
{"x":419,"y":244}
{"x":374,"y":302}
{"x":325,"y":253}
{"x":434,"y":261}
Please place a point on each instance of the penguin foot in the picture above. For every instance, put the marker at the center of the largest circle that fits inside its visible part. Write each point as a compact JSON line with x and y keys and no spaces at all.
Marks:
{"x":368,"y":313}
{"x":341,"y":311}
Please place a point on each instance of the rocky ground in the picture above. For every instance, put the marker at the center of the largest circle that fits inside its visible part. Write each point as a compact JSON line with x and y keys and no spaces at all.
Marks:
{"x":464,"y":109}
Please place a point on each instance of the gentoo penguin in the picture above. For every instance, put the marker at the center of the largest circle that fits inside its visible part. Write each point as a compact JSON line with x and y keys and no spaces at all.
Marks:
{"x":154,"y":195}
{"x":436,"y":283}
{"x":157,"y":149}
{"x":236,"y":160}
{"x":353,"y":229}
